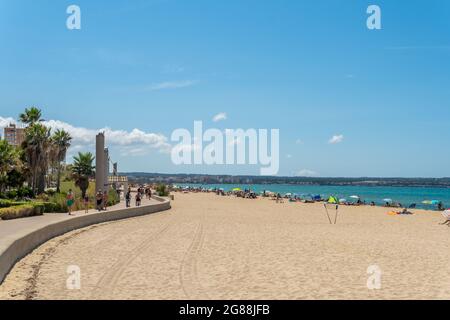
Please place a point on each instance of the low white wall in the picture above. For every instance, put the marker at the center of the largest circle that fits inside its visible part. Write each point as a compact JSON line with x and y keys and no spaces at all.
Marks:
{"x":24,"y":245}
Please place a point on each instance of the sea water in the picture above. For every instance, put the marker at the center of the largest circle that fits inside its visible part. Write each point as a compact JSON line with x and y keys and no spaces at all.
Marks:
{"x":403,"y":195}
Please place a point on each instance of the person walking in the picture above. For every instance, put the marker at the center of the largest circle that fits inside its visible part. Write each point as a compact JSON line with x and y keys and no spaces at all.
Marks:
{"x":128,"y":199}
{"x":86,"y":203}
{"x":70,"y":200}
{"x":99,"y":200}
{"x":138,"y":199}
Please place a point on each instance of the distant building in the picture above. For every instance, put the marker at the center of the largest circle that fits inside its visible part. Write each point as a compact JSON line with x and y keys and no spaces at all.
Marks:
{"x":15,"y":136}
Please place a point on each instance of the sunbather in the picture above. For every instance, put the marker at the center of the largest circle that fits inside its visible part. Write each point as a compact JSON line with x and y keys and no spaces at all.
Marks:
{"x":404,"y":211}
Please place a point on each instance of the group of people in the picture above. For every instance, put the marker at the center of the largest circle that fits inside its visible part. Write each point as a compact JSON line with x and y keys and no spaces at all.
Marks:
{"x":101,"y":199}
{"x":141,"y":193}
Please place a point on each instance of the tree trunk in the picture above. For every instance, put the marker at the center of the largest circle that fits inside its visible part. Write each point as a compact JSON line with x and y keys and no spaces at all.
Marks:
{"x":41,"y":183}
{"x":58,"y":178}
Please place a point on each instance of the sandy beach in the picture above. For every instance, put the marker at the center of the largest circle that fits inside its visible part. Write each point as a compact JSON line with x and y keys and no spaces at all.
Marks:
{"x":213,"y":247}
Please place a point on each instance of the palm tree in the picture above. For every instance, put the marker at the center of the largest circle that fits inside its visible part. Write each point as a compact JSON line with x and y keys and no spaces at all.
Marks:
{"x":36,"y":146}
{"x":60,"y":142}
{"x":82,"y":170}
{"x":30,"y":116}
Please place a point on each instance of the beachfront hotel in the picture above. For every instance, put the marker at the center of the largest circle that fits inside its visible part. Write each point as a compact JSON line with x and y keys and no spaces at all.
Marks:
{"x":14,"y":134}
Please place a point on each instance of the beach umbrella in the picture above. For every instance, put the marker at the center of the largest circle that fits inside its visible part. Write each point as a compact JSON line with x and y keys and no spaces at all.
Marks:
{"x":342,"y":200}
{"x":354,"y":197}
{"x":237,"y":189}
{"x":288,"y":194}
{"x":333,"y":200}
{"x":387,"y":200}
{"x":431,"y":202}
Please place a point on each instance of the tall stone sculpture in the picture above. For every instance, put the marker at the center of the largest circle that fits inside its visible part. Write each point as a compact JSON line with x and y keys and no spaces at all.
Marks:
{"x":106,"y":168}
{"x":100,"y":162}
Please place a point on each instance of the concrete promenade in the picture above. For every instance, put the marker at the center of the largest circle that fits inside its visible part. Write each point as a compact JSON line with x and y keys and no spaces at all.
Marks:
{"x":20,"y":236}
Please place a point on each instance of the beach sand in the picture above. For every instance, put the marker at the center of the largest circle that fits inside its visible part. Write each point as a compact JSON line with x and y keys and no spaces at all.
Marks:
{"x":212,"y":247}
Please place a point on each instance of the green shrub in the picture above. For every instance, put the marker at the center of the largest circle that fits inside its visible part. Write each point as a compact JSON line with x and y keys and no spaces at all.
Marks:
{"x":50,"y":207}
{"x":25,"y":192}
{"x":5,"y":203}
{"x":50,"y":192}
{"x":60,"y":202}
{"x":22,"y":211}
{"x":10,"y":203}
{"x":113,"y":197}
{"x":162,"y":190}
{"x":12,"y":194}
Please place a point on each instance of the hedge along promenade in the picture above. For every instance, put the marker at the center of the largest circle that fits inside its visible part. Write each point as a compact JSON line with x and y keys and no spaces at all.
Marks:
{"x":19,"y":237}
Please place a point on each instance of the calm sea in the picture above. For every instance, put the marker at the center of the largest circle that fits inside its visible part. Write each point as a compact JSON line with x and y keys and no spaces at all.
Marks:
{"x":403,"y":195}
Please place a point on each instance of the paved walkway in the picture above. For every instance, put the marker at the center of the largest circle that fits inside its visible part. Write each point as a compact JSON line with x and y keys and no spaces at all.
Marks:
{"x":11,"y":230}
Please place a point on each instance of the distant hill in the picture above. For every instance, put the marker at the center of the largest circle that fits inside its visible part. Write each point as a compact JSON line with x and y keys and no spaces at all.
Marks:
{"x":145,"y":177}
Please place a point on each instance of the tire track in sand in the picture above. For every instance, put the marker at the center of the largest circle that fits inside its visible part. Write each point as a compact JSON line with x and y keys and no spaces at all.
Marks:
{"x":190,"y":284}
{"x":108,"y":281}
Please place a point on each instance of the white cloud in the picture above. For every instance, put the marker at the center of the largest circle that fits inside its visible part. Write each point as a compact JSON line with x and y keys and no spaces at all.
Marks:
{"x":289,"y":156}
{"x":172,"y":85}
{"x":114,"y":137}
{"x":299,"y":141}
{"x":133,"y":151}
{"x":336,"y":139}
{"x":86,"y":137}
{"x":220,"y":117}
{"x":306,"y":173}
{"x":5,"y":122}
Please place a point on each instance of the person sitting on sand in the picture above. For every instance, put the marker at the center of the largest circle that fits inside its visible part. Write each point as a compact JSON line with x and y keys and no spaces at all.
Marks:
{"x":404,"y":211}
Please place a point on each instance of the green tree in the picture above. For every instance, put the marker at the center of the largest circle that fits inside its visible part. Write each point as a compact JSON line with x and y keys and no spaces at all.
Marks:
{"x":31,"y":116}
{"x":9,"y":162}
{"x":36,"y":146}
{"x":82,"y":170}
{"x":61,"y":142}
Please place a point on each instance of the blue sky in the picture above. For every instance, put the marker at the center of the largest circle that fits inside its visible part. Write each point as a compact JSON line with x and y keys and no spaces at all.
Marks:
{"x":309,"y":68}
